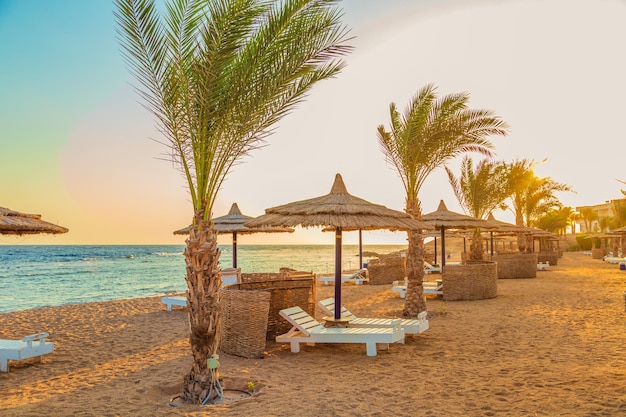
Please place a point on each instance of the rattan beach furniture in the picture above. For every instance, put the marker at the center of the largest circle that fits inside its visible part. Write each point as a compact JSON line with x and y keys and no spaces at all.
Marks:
{"x":410,"y":326}
{"x":308,"y":330}
{"x":29,"y":347}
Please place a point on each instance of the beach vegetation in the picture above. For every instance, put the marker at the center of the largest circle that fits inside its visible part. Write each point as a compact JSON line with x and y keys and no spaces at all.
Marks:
{"x":530,"y":196}
{"x":217,"y":76}
{"x":479,"y":191}
{"x":432,"y":131}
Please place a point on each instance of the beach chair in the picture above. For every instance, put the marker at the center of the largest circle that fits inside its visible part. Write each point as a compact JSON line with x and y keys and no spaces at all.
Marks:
{"x":429,"y":269}
{"x":613,"y":259}
{"x":410,"y":326}
{"x":29,"y":347}
{"x":308,"y":330}
{"x":174,"y":300}
{"x":430,"y":287}
{"x":543,"y":266}
{"x":357,"y":278}
{"x":433,"y":287}
{"x":231,"y":276}
{"x":400,"y":287}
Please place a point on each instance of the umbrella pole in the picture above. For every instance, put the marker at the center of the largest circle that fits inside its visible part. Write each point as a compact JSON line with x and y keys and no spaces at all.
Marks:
{"x":338,"y":273}
{"x":491,"y":234}
{"x":435,"y":258}
{"x":360,"y":250}
{"x":234,"y":249}
{"x":443,"y":247}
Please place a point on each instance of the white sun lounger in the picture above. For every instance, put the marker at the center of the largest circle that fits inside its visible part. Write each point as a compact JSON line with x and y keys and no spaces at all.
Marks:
{"x":542,"y":266}
{"x":430,"y":287}
{"x":308,"y":330}
{"x":29,"y":347}
{"x":429,"y":269}
{"x":613,"y":259}
{"x":358,"y":278}
{"x":174,"y":300}
{"x":410,"y":326}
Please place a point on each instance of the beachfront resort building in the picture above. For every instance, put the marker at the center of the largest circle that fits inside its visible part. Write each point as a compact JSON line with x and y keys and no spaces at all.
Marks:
{"x":598,"y":218}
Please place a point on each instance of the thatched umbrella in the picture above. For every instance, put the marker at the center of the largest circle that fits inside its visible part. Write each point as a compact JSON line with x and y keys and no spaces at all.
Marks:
{"x":506,"y":228}
{"x":340,"y":210}
{"x":233,"y":222}
{"x":442,"y":218}
{"x":16,"y":223}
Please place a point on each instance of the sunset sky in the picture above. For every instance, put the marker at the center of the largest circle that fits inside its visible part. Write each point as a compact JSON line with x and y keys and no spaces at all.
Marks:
{"x":77,"y":147}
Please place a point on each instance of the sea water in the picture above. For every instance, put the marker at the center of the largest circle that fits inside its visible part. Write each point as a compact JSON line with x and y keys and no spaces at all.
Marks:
{"x":39,"y":276}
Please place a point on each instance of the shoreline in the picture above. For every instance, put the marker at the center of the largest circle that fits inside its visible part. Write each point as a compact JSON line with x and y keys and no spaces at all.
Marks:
{"x":551,"y":345}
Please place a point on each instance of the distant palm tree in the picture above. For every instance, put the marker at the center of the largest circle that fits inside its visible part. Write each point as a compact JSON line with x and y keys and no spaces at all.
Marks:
{"x":429,"y":133}
{"x":589,"y":215}
{"x":217,"y":75}
{"x":479,"y":191}
{"x":531,"y":196}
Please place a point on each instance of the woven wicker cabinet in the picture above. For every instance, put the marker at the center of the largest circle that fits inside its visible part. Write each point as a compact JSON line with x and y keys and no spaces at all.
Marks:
{"x":245,"y":336}
{"x":516,"y":265}
{"x":597,"y":253}
{"x":475,"y":280}
{"x":552,"y":257}
{"x":386,"y":270}
{"x":244,"y":322}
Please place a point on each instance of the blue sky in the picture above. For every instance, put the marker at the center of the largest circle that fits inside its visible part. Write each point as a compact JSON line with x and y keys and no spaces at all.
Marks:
{"x":76,"y":146}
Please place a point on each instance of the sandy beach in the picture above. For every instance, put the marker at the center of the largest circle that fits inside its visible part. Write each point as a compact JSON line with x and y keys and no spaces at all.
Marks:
{"x":554,"y":345}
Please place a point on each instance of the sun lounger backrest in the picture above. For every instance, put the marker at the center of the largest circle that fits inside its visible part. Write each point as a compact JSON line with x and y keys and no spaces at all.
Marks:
{"x":300,"y":319}
{"x":328,"y":305}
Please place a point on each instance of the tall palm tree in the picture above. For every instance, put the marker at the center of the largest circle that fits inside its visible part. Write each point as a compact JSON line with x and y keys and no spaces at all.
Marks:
{"x":217,"y":75}
{"x":531,"y":196}
{"x":431,"y":131}
{"x":479,"y":191}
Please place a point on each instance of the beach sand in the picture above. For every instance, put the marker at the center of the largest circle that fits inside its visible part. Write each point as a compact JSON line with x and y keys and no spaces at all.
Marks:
{"x":554,"y":345}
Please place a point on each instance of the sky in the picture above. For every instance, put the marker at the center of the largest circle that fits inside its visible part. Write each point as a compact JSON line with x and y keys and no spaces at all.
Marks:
{"x":77,"y":147}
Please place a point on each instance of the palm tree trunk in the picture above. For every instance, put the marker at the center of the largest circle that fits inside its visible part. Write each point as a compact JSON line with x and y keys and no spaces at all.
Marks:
{"x":204,"y":282}
{"x":476,"y":247}
{"x":414,"y":302}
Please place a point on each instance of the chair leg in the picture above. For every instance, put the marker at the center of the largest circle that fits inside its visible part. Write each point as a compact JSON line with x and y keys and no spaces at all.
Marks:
{"x":295,"y":347}
{"x":4,"y":365}
{"x":371,"y":349}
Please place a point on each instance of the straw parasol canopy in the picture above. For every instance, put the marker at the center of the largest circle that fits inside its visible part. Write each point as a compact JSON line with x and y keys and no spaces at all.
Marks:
{"x":505,"y":228}
{"x":340,"y":210}
{"x":233,"y":222}
{"x":16,"y":223}
{"x":621,"y":230}
{"x":442,"y":219}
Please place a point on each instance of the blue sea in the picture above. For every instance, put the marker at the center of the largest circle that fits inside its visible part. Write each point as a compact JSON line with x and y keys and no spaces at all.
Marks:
{"x":39,"y":276}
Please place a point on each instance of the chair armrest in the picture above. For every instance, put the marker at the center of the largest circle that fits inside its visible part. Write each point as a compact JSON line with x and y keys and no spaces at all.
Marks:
{"x":37,"y":336}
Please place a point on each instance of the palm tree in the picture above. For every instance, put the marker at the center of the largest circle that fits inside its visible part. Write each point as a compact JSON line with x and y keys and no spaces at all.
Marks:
{"x":430,"y":133}
{"x":531,"y":196}
{"x":217,"y":75}
{"x":479,"y":191}
{"x":588,"y":214}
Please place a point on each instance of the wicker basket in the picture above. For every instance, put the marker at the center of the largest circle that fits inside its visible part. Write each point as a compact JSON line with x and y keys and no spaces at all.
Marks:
{"x":516,"y":265}
{"x":552,"y":257}
{"x":244,"y":322}
{"x":386,"y":270}
{"x":476,"y":280}
{"x":597,"y":253}
{"x":284,"y":293}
